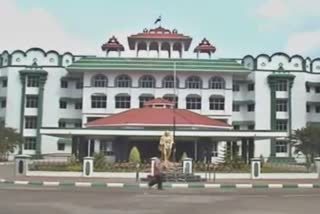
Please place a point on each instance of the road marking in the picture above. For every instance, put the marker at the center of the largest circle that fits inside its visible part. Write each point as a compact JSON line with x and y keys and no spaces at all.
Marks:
{"x":275,"y":186}
{"x":21,"y":182}
{"x":305,"y":185}
{"x":212,"y":185}
{"x":50,"y":183}
{"x":2,"y":180}
{"x":179,"y":185}
{"x":82,"y":184}
{"x":115,"y":184}
{"x":242,"y":186}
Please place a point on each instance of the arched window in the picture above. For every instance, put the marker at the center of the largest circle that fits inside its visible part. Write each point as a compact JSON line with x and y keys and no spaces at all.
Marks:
{"x":144,"y":98}
{"x":168,"y":82}
{"x":193,"y":102}
{"x":172,"y":98}
{"x":100,"y":81}
{"x":122,"y":101}
{"x":194,"y":82}
{"x":217,"y":83}
{"x":123,"y":81}
{"x":216,"y":102}
{"x":98,"y":101}
{"x":147,"y":81}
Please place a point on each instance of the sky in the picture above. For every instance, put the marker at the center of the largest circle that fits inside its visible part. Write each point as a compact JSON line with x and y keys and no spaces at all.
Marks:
{"x":235,"y":27}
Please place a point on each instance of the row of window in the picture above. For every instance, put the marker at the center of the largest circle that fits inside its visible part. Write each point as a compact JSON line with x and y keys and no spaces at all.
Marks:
{"x":124,"y":101}
{"x":4,"y":83}
{"x":65,"y":84}
{"x":31,"y":123}
{"x":148,"y":81}
{"x":316,"y":89}
{"x":3,"y":103}
{"x":249,"y":127}
{"x":31,"y":142}
{"x":236,"y":107}
{"x":63,"y":124}
{"x":236,"y":87}
{"x":281,"y":125}
{"x":63,"y":105}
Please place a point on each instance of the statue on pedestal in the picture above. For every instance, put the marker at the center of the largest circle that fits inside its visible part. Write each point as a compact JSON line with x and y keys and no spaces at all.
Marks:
{"x":165,"y":147}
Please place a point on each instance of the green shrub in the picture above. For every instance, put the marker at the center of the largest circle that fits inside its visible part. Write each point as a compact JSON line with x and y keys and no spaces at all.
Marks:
{"x":99,"y":161}
{"x":134,"y":155}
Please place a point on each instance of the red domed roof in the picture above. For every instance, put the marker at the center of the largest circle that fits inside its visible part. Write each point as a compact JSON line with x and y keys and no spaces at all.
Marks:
{"x":158,"y":117}
{"x":112,"y":45}
{"x":205,"y":47}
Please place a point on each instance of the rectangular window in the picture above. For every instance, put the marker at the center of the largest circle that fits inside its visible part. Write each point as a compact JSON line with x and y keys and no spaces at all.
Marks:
{"x":281,"y":105}
{"x":64,"y":84}
{"x":62,"y":124}
{"x":236,"y":127}
{"x":281,"y":125}
{"x":123,"y":101}
{"x":63,"y":104}
{"x":317,"y":89}
{"x":106,"y":148}
{"x":32,"y":102}
{"x":235,"y":107}
{"x":251,"y":127}
{"x":61,"y":146}
{"x":308,"y":108}
{"x":193,"y":103}
{"x":98,"y":101}
{"x":307,"y":88}
{"x":30,"y":122}
{"x":33,"y":81}
{"x":30,"y":143}
{"x":235,"y":87}
{"x":281,"y":85}
{"x":4,"y":83}
{"x":250,"y":107}
{"x":216,"y":103}
{"x":79,"y":84}
{"x":78,"y":105}
{"x":78,"y":124}
{"x":281,"y":147}
{"x":317,"y":109}
{"x":3,"y":103}
{"x":251,"y":87}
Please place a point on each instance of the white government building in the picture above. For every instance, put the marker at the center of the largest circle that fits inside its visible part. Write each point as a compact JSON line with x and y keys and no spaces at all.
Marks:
{"x":66,"y":104}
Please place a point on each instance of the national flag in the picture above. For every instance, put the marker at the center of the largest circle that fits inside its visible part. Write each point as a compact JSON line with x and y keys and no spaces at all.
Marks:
{"x":158,"y":20}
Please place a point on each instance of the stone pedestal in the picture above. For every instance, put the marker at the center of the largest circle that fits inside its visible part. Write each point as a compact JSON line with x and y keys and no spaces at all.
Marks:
{"x":21,"y":165}
{"x":187,"y":166}
{"x":87,"y":170}
{"x":317,"y":162}
{"x":255,"y":168}
{"x":152,"y":165}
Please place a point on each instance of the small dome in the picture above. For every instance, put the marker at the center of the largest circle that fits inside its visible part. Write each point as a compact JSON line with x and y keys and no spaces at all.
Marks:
{"x":112,"y":45}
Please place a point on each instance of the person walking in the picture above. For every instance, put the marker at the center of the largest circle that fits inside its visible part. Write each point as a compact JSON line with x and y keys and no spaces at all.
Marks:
{"x":157,"y":175}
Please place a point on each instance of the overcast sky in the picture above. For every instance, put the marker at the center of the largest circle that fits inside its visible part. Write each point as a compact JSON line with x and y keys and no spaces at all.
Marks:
{"x":235,"y":27}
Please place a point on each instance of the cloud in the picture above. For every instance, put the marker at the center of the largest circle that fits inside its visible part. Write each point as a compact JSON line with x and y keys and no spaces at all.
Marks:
{"x":272,"y":8}
{"x":303,"y":43}
{"x":37,"y":28}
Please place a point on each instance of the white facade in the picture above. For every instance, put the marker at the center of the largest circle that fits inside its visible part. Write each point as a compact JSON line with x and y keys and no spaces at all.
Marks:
{"x":258,"y":97}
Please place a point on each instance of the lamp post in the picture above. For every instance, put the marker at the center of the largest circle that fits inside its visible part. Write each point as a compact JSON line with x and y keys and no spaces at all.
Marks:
{"x":174,"y":107}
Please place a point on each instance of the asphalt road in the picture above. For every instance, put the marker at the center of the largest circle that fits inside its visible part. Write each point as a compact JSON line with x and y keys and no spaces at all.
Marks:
{"x":80,"y":200}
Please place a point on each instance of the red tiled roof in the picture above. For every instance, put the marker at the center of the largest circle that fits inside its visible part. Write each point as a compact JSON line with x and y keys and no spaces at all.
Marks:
{"x":205,"y":46}
{"x":157,"y":117}
{"x":112,"y":44}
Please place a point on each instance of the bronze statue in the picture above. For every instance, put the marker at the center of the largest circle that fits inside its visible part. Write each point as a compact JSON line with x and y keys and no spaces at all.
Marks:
{"x":165,"y":146}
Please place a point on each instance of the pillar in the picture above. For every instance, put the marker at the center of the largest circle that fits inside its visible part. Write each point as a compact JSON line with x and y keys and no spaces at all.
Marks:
{"x":136,"y":49}
{"x":21,"y":165}
{"x":148,"y":48}
{"x":153,"y":160}
{"x":87,"y":169}
{"x":171,"y":50}
{"x":197,"y":54}
{"x":97,"y":146}
{"x":317,"y":162}
{"x":244,"y":150}
{"x":23,"y":100}
{"x":255,"y":168}
{"x":187,"y":166}
{"x":182,"y":50}
{"x":196,"y":150}
{"x":159,"y":49}
{"x":42,"y":81}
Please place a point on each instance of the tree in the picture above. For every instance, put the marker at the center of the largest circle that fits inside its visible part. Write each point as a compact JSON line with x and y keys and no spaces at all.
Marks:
{"x":134,"y":155}
{"x":9,"y":139}
{"x":307,"y":143}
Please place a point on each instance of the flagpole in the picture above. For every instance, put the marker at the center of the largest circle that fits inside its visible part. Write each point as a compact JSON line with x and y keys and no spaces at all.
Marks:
{"x":174,"y":107}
